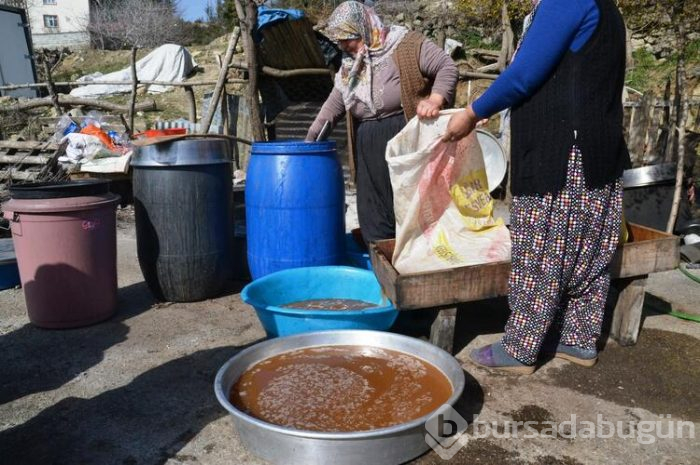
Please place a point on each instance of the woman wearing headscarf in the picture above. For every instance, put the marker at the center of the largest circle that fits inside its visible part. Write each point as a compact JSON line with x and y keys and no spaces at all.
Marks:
{"x":564,"y":87}
{"x":381,"y":96}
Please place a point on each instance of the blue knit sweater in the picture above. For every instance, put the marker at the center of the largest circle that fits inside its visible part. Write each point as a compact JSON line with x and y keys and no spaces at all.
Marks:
{"x":558,"y":26}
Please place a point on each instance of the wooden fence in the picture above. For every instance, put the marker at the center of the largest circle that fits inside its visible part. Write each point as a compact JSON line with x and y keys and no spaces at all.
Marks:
{"x":648,"y":126}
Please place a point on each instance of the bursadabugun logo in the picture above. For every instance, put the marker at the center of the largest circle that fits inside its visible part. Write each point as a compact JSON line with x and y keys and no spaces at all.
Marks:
{"x":445,"y":432}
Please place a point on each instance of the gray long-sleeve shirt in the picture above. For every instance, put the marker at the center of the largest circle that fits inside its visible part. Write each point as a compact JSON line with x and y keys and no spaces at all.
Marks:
{"x":434,"y":63}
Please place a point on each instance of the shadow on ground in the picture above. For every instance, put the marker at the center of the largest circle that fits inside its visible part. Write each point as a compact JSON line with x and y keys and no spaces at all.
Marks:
{"x":658,"y":374}
{"x":36,"y":360}
{"x":485,"y":452}
{"x":147,"y":421}
{"x":473,"y":319}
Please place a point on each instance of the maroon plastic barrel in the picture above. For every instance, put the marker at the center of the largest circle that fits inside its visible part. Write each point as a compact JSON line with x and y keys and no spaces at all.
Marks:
{"x":66,"y":250}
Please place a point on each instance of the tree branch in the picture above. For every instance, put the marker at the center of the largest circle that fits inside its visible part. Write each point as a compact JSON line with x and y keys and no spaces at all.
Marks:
{"x":67,"y":101}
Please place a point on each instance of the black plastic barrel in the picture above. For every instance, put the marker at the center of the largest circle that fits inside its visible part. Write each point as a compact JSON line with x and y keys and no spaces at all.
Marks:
{"x":59,"y":190}
{"x":184,"y":217}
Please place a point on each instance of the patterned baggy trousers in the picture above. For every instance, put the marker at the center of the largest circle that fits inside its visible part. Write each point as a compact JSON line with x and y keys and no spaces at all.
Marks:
{"x":562,"y":246}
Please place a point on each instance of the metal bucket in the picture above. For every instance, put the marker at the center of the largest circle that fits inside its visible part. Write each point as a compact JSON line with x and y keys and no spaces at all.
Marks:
{"x":495,"y":160}
{"x":384,"y":446}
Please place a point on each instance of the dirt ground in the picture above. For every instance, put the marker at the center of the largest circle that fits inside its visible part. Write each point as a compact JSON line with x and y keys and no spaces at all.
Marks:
{"x":138,"y":389}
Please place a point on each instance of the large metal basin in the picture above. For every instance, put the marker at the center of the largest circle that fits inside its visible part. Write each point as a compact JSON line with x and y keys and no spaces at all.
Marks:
{"x":385,"y":446}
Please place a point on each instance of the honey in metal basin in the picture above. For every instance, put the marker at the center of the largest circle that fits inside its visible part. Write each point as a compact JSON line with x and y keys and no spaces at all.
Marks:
{"x":340,"y":389}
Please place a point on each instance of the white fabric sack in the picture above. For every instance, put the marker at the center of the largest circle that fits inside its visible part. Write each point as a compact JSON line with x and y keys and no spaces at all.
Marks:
{"x":81,"y":146}
{"x":443,"y":208}
{"x":169,"y":62}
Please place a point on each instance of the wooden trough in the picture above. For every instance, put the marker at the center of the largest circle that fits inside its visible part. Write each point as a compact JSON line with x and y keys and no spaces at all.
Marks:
{"x":648,"y":251}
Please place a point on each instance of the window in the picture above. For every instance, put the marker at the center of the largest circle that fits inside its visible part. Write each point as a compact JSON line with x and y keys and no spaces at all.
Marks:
{"x":51,"y":21}
{"x":49,"y":2}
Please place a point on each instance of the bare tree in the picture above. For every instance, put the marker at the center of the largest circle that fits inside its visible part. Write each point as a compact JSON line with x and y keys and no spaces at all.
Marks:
{"x":134,"y":23}
{"x":14,"y":3}
{"x":679,"y":17}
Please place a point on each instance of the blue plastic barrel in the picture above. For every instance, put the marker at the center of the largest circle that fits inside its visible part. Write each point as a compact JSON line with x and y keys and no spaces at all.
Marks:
{"x":295,"y":206}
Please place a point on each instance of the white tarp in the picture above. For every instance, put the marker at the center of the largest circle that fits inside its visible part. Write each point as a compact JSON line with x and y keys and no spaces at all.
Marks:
{"x":169,"y":62}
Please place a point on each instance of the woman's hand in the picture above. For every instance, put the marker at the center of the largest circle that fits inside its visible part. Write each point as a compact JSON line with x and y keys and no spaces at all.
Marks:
{"x":430,"y":107}
{"x":461,"y":124}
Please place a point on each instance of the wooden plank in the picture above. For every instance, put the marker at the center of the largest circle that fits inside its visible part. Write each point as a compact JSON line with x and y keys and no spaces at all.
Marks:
{"x":639,"y":233}
{"x":109,"y":176}
{"x":28,"y":145}
{"x":442,"y":331}
{"x":640,"y":258}
{"x":437,"y":288}
{"x":385,"y":272}
{"x":650,"y":251}
{"x":627,"y":315}
{"x":18,"y":175}
{"x":24,"y":159}
{"x":386,"y":248}
{"x":452,"y":286}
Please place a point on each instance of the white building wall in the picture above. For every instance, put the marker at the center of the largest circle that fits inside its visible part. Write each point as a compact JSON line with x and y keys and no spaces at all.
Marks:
{"x":71,"y":18}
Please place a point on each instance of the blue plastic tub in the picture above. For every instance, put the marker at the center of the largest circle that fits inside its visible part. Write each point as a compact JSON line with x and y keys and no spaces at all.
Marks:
{"x":267,"y":294}
{"x":356,"y":256}
{"x":9,"y":273}
{"x":295,"y":206}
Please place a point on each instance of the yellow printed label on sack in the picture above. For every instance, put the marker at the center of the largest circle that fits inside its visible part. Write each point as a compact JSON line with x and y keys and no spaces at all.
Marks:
{"x":473,"y":200}
{"x":444,"y":251}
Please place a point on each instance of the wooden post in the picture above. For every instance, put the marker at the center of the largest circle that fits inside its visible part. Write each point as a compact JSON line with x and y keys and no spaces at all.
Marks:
{"x":681,"y":104}
{"x":350,"y":127}
{"x":629,"y":59}
{"x":214,"y":102}
{"x":665,"y":131}
{"x":627,"y":316}
{"x":52,"y":88}
{"x":224,"y":101}
{"x":648,"y":108}
{"x":506,"y":40}
{"x":134,"y":85}
{"x":191,"y":104}
{"x":248,"y":17}
{"x":678,"y":192}
{"x":441,"y":34}
{"x":129,"y":131}
{"x":442,"y":332}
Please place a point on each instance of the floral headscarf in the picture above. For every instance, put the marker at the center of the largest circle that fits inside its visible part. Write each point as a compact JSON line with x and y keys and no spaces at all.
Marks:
{"x":527,"y":22}
{"x":353,"y":20}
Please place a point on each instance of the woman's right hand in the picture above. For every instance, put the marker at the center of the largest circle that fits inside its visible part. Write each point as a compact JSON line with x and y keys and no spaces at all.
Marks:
{"x":461,"y":124}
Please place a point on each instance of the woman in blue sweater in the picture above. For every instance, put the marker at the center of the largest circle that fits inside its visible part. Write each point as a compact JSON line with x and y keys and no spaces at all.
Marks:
{"x":564,"y":88}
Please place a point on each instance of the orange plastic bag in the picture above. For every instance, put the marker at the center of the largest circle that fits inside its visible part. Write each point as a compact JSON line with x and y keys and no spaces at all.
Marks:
{"x":93,"y":130}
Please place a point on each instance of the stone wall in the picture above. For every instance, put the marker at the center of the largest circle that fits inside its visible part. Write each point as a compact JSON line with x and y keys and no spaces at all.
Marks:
{"x":61,"y":40}
{"x":422,"y":16}
{"x":430,"y":16}
{"x":661,"y":43}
